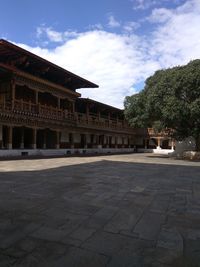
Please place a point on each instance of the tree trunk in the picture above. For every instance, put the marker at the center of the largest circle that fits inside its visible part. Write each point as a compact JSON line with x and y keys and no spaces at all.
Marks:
{"x":197,"y":139}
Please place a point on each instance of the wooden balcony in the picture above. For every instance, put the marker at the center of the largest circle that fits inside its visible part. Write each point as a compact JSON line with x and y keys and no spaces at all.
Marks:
{"x":46,"y":112}
{"x":163,"y":133}
{"x":151,"y":132}
{"x":92,"y":120}
{"x":38,"y":110}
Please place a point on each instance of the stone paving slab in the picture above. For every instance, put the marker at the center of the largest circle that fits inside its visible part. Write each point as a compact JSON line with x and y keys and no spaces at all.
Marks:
{"x":149,"y":225}
{"x":121,"y":210}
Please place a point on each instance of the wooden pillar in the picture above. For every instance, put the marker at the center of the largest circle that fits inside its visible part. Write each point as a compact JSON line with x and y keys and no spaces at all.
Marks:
{"x":122,"y":141}
{"x":44,"y":139}
{"x":116,"y":143}
{"x":145,"y":143}
{"x":98,"y":141}
{"x":34,"y":139}
{"x":107,"y":141}
{"x":101,"y":141}
{"x":85,"y":140}
{"x":13,"y":94}
{"x":159,"y":143}
{"x":172,"y":144}
{"x":71,"y":139}
{"x":57,"y":139}
{"x":10,"y":137}
{"x":22,"y":138}
{"x":104,"y":140}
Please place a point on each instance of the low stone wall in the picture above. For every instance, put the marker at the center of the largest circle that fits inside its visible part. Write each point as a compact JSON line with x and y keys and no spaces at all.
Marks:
{"x":61,"y":152}
{"x":191,"y":155}
{"x":156,"y":151}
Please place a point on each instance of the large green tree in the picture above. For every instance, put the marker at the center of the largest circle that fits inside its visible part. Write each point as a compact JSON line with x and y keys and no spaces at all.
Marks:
{"x":170,"y":99}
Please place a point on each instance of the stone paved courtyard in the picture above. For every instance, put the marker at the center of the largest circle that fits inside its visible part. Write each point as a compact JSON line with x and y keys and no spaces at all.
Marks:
{"x":122,"y":210}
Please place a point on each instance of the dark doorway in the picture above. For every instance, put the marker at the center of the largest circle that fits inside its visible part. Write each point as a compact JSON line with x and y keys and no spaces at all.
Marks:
{"x":50,"y":139}
{"x":110,"y":141}
{"x":40,"y":138}
{"x":17,"y":137}
{"x":28,"y":135}
{"x":165,"y":144}
{"x":83,"y":140}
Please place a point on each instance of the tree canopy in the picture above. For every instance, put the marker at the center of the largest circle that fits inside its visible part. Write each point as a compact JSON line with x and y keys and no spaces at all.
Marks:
{"x":170,"y":99}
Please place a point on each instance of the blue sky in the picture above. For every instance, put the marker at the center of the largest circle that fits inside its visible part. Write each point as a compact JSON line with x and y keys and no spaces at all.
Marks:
{"x":114,"y":43}
{"x":20,"y":19}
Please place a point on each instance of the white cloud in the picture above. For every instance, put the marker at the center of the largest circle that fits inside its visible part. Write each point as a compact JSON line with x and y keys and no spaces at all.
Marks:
{"x":117,"y":62}
{"x":112,"y":22}
{"x":97,"y":26}
{"x":160,"y":15}
{"x":144,"y":4}
{"x":148,"y":4}
{"x":54,"y":36}
{"x":177,"y":41}
{"x":111,"y":60}
{"x":131,"y":26}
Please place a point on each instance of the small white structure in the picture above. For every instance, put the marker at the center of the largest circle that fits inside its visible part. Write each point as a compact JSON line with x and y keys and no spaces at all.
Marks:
{"x":187,"y":144}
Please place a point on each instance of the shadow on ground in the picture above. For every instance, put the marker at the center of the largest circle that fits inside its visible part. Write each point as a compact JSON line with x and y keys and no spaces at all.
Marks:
{"x":158,"y":156}
{"x":104,"y":213}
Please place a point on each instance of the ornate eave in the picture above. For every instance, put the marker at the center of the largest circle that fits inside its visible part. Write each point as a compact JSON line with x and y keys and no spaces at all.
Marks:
{"x":23,"y":60}
{"x":38,"y":83}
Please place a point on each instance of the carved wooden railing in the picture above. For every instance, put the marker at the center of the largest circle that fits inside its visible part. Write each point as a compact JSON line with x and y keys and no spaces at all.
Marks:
{"x":44,"y":111}
{"x":164,"y":132}
{"x":103,"y":122}
{"x":152,"y":132}
{"x":49,"y":112}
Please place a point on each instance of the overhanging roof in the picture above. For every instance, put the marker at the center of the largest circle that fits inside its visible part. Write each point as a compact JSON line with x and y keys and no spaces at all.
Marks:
{"x":101,"y":105}
{"x":6,"y":72}
{"x":28,"y":62}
